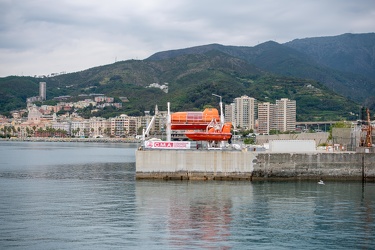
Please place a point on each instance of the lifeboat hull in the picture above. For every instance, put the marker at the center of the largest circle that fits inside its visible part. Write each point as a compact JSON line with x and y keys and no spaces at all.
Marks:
{"x":206,"y":136}
{"x":189,"y":126}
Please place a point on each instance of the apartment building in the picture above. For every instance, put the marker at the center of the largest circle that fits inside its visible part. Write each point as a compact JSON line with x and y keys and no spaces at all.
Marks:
{"x":280,"y":116}
{"x":245,"y":112}
{"x":123,"y":125}
{"x":80,"y":128}
{"x":285,"y":115}
{"x":99,"y":126}
{"x":266,"y":114}
{"x":65,"y":125}
{"x":229,"y":114}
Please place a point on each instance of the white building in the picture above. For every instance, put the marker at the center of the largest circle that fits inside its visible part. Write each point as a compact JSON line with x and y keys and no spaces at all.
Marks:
{"x":245,"y":112}
{"x":80,"y":128}
{"x":280,"y":116}
{"x":66,"y":126}
{"x":99,"y":127}
{"x":103,"y":99}
{"x":230,"y":114}
{"x":285,"y":115}
{"x":266,"y":114}
{"x":123,"y":125}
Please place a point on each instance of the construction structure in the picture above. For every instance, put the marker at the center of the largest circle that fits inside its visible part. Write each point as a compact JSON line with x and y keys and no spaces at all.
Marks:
{"x":365,"y":144}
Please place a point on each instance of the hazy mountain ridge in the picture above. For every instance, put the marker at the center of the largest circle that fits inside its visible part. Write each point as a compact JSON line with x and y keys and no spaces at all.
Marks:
{"x":296,"y":60}
{"x":353,"y":53}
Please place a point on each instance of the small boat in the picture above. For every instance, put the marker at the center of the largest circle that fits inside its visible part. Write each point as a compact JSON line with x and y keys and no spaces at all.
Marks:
{"x":321,"y":182}
{"x":212,"y":133}
{"x":191,"y":120}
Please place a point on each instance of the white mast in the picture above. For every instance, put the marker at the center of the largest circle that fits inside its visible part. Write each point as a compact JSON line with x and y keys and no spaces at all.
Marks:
{"x":169,"y":123}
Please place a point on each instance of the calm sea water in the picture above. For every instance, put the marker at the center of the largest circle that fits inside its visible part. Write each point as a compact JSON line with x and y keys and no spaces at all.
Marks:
{"x":84,"y":196}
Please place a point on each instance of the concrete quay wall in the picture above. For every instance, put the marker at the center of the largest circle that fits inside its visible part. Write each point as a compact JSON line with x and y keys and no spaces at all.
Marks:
{"x":340,"y":166}
{"x":245,"y":165}
{"x":194,"y":164}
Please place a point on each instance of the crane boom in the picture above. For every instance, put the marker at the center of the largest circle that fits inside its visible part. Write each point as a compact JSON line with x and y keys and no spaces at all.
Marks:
{"x":147,"y":131}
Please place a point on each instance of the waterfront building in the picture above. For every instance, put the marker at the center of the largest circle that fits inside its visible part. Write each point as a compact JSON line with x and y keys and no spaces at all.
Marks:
{"x":123,"y":125}
{"x":80,"y":128}
{"x":99,"y":126}
{"x":245,"y":112}
{"x":144,"y":121}
{"x":66,"y":126}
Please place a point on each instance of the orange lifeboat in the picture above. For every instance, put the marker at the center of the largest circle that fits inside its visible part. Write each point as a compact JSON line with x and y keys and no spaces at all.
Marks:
{"x":211,"y":134}
{"x":193,"y":119}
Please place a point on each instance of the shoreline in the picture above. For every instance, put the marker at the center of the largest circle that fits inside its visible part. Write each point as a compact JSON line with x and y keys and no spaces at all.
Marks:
{"x":51,"y":139}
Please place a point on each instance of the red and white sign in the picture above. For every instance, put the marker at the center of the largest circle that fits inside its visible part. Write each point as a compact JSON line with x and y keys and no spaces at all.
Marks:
{"x":167,"y":144}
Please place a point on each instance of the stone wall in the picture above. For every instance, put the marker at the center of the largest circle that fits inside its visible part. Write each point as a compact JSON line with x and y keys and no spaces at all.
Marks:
{"x":193,"y":164}
{"x":233,"y":165}
{"x":341,"y":165}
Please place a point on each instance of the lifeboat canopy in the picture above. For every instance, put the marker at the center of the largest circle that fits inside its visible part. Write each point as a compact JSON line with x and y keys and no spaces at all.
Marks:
{"x":194,"y":120}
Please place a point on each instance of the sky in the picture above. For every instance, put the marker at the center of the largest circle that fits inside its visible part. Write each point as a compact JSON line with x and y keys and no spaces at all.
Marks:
{"x":41,"y":37}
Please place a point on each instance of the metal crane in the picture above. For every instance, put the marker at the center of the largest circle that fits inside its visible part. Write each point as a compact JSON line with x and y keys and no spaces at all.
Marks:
{"x":367,"y":142}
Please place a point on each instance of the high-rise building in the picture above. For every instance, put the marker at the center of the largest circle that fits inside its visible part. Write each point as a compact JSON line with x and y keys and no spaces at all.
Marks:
{"x":285,"y":115}
{"x":245,"y":112}
{"x":229,"y":114}
{"x":280,"y":116}
{"x":42,"y":90}
{"x":266,"y":114}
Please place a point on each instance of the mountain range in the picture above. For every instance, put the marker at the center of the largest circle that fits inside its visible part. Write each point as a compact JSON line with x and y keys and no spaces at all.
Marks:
{"x":329,"y":77}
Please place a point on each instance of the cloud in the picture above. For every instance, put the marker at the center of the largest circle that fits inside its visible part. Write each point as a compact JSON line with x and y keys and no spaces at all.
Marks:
{"x":43,"y":36}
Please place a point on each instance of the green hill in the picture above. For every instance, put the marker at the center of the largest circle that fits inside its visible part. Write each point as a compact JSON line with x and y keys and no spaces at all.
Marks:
{"x":345,"y":64}
{"x":192,"y":78}
{"x":14,"y":91}
{"x":352,"y":53}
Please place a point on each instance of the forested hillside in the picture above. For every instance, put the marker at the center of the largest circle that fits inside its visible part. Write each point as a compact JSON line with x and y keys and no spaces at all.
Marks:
{"x":266,"y":72}
{"x":344,"y":64}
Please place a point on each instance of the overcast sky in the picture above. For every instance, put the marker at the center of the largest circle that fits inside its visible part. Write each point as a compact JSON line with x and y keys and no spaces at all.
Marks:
{"x":40,"y":37}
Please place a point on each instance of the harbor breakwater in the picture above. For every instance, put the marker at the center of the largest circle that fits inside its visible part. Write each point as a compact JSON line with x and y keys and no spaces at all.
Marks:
{"x":246,"y":165}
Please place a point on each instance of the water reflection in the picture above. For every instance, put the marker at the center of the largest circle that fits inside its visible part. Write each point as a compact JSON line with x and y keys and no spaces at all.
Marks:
{"x":194,"y":213}
{"x":284,"y":214}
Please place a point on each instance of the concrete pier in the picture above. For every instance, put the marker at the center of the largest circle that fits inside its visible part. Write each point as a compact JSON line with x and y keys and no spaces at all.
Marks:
{"x":245,"y":165}
{"x":194,"y":164}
